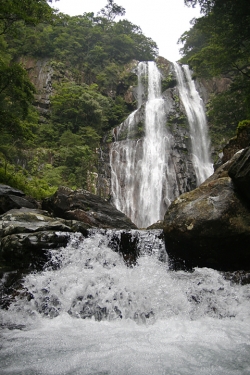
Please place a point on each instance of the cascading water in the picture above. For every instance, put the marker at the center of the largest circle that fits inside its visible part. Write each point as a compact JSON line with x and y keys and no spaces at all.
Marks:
{"x":197,"y":122}
{"x":88,"y":313}
{"x":143,"y":179}
{"x":145,"y":174}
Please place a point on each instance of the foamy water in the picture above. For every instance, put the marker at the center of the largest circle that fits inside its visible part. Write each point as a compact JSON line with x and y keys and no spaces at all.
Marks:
{"x":94,"y":315}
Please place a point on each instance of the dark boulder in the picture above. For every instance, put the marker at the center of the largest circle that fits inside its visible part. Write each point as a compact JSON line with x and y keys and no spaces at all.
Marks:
{"x":209,"y":227}
{"x":13,"y":198}
{"x":239,"y":171}
{"x":84,"y":206}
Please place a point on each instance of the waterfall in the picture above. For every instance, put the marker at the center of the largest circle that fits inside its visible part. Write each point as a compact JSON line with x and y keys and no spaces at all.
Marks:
{"x":149,"y":170}
{"x":197,"y":122}
{"x":139,"y":168}
{"x":87,"y":313}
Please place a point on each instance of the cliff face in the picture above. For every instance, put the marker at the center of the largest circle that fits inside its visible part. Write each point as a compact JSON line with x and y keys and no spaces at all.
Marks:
{"x":41,"y":74}
{"x":212,"y":86}
{"x":45,"y":73}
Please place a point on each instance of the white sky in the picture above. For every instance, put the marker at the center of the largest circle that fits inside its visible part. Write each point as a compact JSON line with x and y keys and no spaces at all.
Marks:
{"x":162,"y":20}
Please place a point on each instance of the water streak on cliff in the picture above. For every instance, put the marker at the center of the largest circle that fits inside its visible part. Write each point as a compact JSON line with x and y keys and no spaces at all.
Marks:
{"x":197,"y":122}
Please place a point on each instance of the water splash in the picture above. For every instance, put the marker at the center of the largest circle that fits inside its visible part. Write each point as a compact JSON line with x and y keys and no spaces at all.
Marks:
{"x":88,"y":279}
{"x":88,"y":313}
{"x":197,"y":122}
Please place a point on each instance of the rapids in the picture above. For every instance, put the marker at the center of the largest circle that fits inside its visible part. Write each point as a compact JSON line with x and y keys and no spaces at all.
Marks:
{"x":88,"y":313}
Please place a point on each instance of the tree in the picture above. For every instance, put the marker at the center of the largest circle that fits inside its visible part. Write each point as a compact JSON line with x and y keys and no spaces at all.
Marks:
{"x":112,"y":10}
{"x":78,"y":106}
{"x":16,"y":96}
{"x":31,"y":12}
{"x":225,"y":36}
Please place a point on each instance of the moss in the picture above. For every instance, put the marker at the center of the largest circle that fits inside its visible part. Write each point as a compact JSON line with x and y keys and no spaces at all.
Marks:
{"x":109,"y":137}
{"x":178,"y":119}
{"x":243,"y":125}
{"x":168,"y":82}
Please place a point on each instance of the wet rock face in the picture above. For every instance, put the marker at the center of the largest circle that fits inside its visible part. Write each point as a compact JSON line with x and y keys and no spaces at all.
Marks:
{"x":84,"y":206}
{"x":240,"y":173}
{"x":209,"y":227}
{"x":27,"y":234}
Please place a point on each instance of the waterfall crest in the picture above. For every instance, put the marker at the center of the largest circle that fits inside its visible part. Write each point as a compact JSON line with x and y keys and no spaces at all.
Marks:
{"x":197,"y":122}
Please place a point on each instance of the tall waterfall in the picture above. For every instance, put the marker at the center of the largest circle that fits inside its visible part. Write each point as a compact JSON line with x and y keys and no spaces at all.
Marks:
{"x":148,"y":172}
{"x":139,"y":185}
{"x":197,"y":122}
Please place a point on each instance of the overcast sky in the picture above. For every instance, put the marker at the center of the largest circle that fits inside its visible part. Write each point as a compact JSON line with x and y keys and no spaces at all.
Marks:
{"x":162,"y":20}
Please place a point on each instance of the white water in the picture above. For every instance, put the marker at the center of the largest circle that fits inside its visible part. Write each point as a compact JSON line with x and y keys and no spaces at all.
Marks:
{"x":155,"y":321}
{"x":197,"y":122}
{"x":143,"y":179}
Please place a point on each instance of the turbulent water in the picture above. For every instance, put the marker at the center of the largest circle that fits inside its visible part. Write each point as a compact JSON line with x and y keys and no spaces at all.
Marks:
{"x":197,"y":123}
{"x":88,"y":313}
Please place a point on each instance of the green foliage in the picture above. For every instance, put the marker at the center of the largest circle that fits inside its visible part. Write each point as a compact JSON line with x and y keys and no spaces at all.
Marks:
{"x":112,"y":10}
{"x":243,"y":125}
{"x":227,"y":109}
{"x":16,"y":95}
{"x":86,"y":42}
{"x":17,"y":178}
{"x":168,"y":82}
{"x":75,"y":107}
{"x":88,"y":55}
{"x":31,"y":12}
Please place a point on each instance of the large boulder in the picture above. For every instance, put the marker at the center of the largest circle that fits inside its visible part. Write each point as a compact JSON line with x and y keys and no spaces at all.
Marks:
{"x":84,"y":206}
{"x":239,"y":171}
{"x":209,"y":227}
{"x":27,"y":234}
{"x":13,"y":198}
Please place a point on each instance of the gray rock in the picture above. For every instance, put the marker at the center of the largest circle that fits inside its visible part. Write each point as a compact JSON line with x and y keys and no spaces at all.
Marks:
{"x":5,"y":190}
{"x":29,"y":221}
{"x":209,"y":227}
{"x":27,"y":234}
{"x":29,"y":250}
{"x":13,"y":198}
{"x":81,"y":205}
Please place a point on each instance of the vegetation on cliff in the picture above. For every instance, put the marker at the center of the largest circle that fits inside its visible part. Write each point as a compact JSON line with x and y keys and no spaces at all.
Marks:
{"x":88,"y":55}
